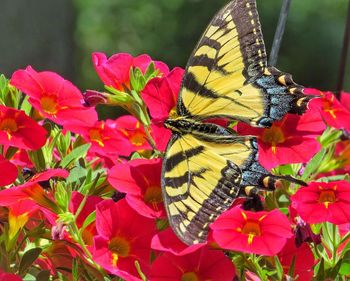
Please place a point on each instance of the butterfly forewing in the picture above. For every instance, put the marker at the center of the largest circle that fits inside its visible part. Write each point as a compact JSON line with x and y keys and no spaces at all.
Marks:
{"x":227,"y":75}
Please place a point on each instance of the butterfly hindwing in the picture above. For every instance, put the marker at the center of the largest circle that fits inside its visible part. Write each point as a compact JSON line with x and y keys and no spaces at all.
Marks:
{"x":202,"y":175}
{"x":227,"y":74}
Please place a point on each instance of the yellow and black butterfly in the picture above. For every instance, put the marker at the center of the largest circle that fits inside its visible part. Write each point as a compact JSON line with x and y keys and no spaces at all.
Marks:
{"x":207,"y":166}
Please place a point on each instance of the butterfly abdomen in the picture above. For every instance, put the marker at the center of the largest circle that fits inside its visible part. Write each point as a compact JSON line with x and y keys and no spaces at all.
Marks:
{"x":185,"y":125}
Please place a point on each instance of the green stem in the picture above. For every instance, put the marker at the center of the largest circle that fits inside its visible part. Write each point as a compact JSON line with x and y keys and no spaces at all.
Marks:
{"x":88,"y":257}
{"x":335,"y":246}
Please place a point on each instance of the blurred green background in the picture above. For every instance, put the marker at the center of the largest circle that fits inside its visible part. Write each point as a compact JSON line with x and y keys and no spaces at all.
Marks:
{"x":60,"y":35}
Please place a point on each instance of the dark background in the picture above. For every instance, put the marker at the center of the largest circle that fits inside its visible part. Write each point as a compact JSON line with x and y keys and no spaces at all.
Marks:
{"x":60,"y":35}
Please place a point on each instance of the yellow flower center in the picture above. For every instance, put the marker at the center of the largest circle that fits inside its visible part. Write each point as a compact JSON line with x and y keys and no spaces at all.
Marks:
{"x":96,"y":136}
{"x":189,"y":276}
{"x":153,"y":194}
{"x":120,"y":247}
{"x":273,"y":136}
{"x":327,"y":197}
{"x":138,"y":138}
{"x":8,"y":125}
{"x":252,"y":229}
{"x":329,"y":107}
{"x":49,"y":104}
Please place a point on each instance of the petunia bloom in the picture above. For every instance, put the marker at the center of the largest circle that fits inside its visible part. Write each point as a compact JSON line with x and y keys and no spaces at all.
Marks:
{"x":332,"y":110}
{"x":140,"y":180}
{"x":54,"y":97}
{"x":203,"y":264}
{"x":19,"y":130}
{"x":321,"y":201}
{"x":303,"y":260}
{"x":161,"y":94}
{"x":132,"y":133}
{"x":9,"y":171}
{"x":167,"y":241}
{"x":115,"y":71}
{"x":262,"y":232}
{"x":124,"y":237}
{"x":4,"y":276}
{"x":290,"y":140}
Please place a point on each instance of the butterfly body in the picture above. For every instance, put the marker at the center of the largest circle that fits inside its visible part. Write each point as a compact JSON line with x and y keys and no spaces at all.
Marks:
{"x":207,"y":166}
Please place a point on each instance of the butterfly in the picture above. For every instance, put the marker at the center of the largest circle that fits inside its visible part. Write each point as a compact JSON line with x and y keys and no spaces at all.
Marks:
{"x":207,"y":166}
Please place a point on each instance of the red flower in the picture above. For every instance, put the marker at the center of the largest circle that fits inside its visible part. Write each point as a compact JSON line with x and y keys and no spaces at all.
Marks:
{"x":31,"y":195}
{"x":140,"y":180}
{"x":123,"y":238}
{"x":303,"y":260}
{"x":4,"y":276}
{"x":161,"y":94}
{"x":19,"y":130}
{"x":54,"y":97}
{"x":9,"y":171}
{"x":333,"y":112}
{"x":290,"y":140}
{"x":203,"y":264}
{"x":262,"y":232}
{"x":167,"y":241}
{"x":321,"y":201}
{"x":115,"y":71}
{"x":132,"y":133}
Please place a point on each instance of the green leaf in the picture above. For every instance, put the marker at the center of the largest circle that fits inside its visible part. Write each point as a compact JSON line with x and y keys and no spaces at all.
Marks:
{"x":75,"y":270}
{"x":284,"y":210}
{"x":118,"y":97}
{"x":38,"y":159}
{"x":75,"y":174}
{"x":11,"y":151}
{"x":28,"y":259}
{"x":320,"y":270}
{"x":75,"y":154}
{"x":334,"y":178}
{"x":313,"y":164}
{"x":330,"y":136}
{"x":334,"y":272}
{"x":141,"y":115}
{"x":291,"y":271}
{"x":345,"y":264}
{"x":151,"y":71}
{"x":90,"y":218}
{"x":279,"y":268}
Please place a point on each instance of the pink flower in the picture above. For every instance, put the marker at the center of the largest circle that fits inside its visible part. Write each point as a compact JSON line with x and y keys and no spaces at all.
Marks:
{"x":19,"y":130}
{"x":333,"y":112}
{"x":132,"y":133}
{"x":321,"y":201}
{"x":9,"y":171}
{"x":302,"y":257}
{"x":290,"y":140}
{"x":201,"y":265}
{"x":124,"y":237}
{"x":262,"y":232}
{"x":167,"y":241}
{"x":54,"y":97}
{"x":140,"y":180}
{"x":4,"y":276}
{"x":115,"y":71}
{"x":161,"y":94}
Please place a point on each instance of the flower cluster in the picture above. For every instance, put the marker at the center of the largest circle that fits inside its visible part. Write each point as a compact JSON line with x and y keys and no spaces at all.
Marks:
{"x":81,"y":198}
